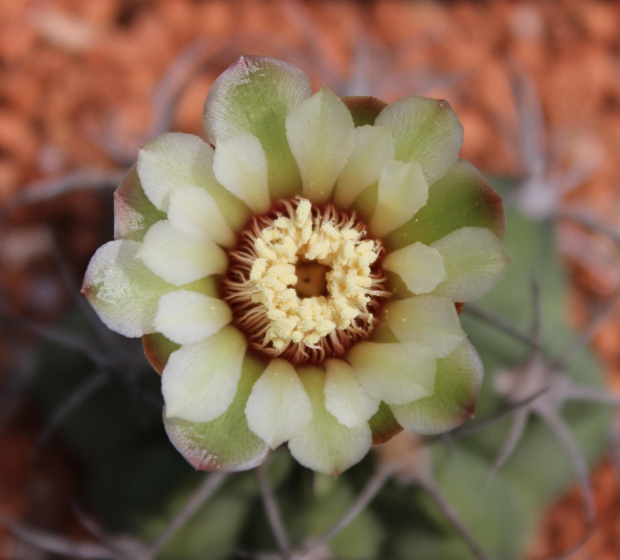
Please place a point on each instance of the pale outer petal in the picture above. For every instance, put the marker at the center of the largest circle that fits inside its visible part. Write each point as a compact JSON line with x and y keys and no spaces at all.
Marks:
{"x":240,"y":165}
{"x":325,"y":445}
{"x":344,"y":396}
{"x":225,"y":444}
{"x":420,"y":267}
{"x":278,"y":406}
{"x":425,"y":130}
{"x":179,"y":258}
{"x":175,"y":160}
{"x":402,"y":192}
{"x":373,"y":150}
{"x":397,"y":373}
{"x":475,"y":261}
{"x":193,"y":210}
{"x":122,"y":290}
{"x":321,"y":133}
{"x":428,"y":320}
{"x":187,"y":317}
{"x":255,"y":95}
{"x":459,"y":377}
{"x":200,"y":380}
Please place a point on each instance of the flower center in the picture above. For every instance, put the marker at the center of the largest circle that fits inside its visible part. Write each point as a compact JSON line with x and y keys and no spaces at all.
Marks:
{"x":304,"y":282}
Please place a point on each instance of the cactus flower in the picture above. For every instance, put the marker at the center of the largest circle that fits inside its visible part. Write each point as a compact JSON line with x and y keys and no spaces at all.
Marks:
{"x":298,"y":277}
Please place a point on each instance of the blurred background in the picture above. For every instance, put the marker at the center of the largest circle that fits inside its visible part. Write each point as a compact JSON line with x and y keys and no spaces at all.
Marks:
{"x":84,"y":82}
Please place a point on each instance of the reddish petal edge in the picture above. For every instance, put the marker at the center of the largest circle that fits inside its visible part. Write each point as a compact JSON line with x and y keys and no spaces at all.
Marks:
{"x":364,"y":109}
{"x":383,"y":425}
{"x":157,"y":349}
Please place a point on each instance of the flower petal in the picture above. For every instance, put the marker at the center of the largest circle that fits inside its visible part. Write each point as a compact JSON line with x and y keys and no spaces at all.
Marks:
{"x":200,"y":380}
{"x":123,"y":291}
{"x":176,"y":160}
{"x":255,"y":95}
{"x":179,"y":258}
{"x":420,"y":267}
{"x":396,"y":373}
{"x":402,"y":192}
{"x":325,"y":445}
{"x":320,"y":132}
{"x":373,"y":150}
{"x":134,"y":213}
{"x":187,"y":317}
{"x":383,"y":425}
{"x":462,"y":197}
{"x":193,"y":210}
{"x":226,"y":443}
{"x":457,"y":384}
{"x":344,"y":396}
{"x":428,"y":320}
{"x":425,"y":130}
{"x":241,"y":166}
{"x":475,"y":260}
{"x":278,"y":406}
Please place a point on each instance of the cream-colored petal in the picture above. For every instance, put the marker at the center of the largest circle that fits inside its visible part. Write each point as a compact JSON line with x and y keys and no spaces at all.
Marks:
{"x":320,"y":132}
{"x":171,"y":161}
{"x":200,"y":380}
{"x":324,"y":444}
{"x":122,"y":290}
{"x":402,"y":192}
{"x":187,"y":317}
{"x":225,"y":444}
{"x":459,"y":377}
{"x":344,"y":396}
{"x":278,"y":406}
{"x":420,"y":267}
{"x":373,"y":150}
{"x":179,"y":258}
{"x":475,"y":261}
{"x":193,"y":210}
{"x":174,"y":160}
{"x":255,"y":95}
{"x":240,"y":165}
{"x":428,"y":320}
{"x":396,"y":373}
{"x":425,"y":130}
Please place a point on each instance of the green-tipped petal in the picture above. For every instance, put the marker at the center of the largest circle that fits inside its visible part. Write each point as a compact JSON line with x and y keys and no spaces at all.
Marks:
{"x":241,"y":166}
{"x":373,"y":150}
{"x":325,"y":445}
{"x":396,"y":373}
{"x":193,"y":210}
{"x":200,"y":380}
{"x":428,"y":320}
{"x":226,"y":443}
{"x":320,"y":132}
{"x":421,"y":268}
{"x":383,"y":425}
{"x":176,"y":160}
{"x":255,"y":95}
{"x":278,"y":406}
{"x":462,"y":197}
{"x":457,"y":385}
{"x":134,"y":213}
{"x":187,"y":317}
{"x":344,"y":396}
{"x":402,"y":192}
{"x":180,"y":258}
{"x":425,"y":130}
{"x":475,"y":260}
{"x":122,"y":290}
